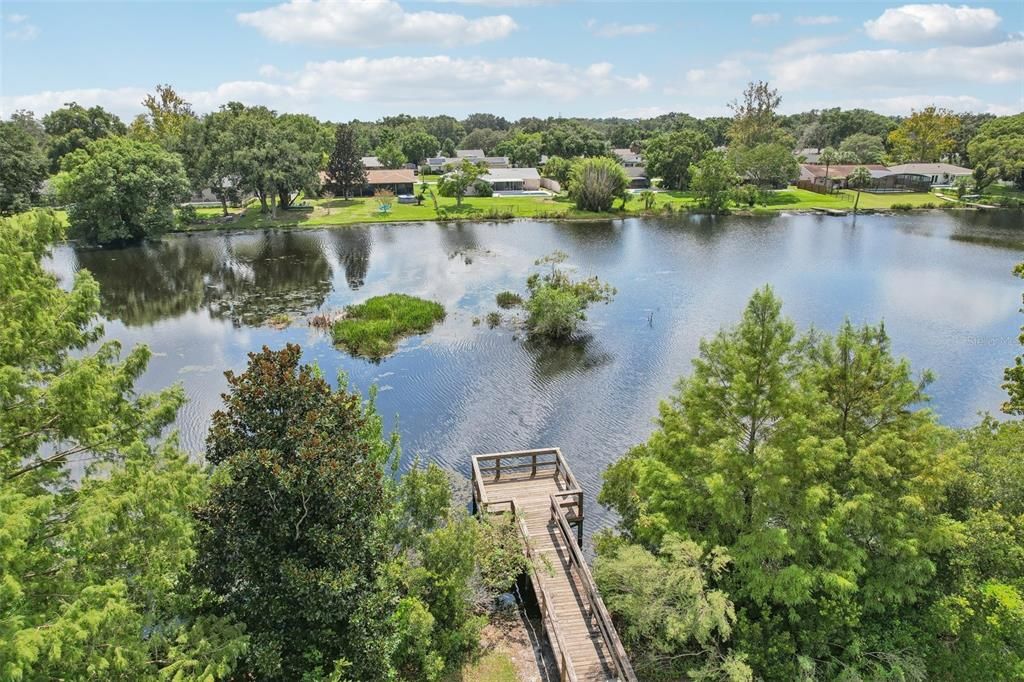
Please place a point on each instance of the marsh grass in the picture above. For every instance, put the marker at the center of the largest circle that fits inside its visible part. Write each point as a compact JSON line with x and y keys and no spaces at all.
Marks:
{"x":373,"y":328}
{"x":508,"y":299}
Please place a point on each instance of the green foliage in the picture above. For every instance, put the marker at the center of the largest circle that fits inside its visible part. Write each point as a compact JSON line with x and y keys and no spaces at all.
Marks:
{"x":117,"y":189}
{"x":925,"y":136}
{"x":417,"y":144}
{"x":648,"y":197}
{"x":486,"y":139}
{"x":1014,"y":376}
{"x":290,"y":540}
{"x":669,"y":156}
{"x":746,"y":194}
{"x":482,"y":188}
{"x":998,"y":151}
{"x":766,"y":165}
{"x":571,"y":138}
{"x":73,"y":127}
{"x":93,"y":566}
{"x":522,"y":149}
{"x":391,"y":155}
{"x":803,"y":459}
{"x":755,"y":121}
{"x":712,"y":181}
{"x":508,"y":299}
{"x":864,"y":148}
{"x":558,"y":169}
{"x":672,"y":622}
{"x":595,"y":183}
{"x":345,"y":170}
{"x":23,"y":164}
{"x":458,"y":178}
{"x":859,"y":179}
{"x":557,"y":304}
{"x":372,"y":328}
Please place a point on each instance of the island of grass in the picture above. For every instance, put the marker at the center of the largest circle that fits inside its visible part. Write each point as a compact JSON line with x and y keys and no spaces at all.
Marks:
{"x":372,"y":329}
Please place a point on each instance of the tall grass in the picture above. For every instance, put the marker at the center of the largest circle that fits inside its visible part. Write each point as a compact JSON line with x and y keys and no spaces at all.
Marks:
{"x":373,"y":328}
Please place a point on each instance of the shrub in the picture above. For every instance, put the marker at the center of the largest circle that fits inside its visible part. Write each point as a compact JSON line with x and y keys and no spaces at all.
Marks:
{"x":557,"y":304}
{"x":493,"y":319}
{"x":901,"y":207}
{"x":483,"y":189}
{"x":371,"y":329}
{"x":508,"y":299}
{"x":597,"y":182}
{"x":188,"y":215}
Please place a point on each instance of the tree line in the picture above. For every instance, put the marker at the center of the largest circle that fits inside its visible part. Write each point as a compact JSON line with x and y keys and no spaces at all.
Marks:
{"x":241,"y":150}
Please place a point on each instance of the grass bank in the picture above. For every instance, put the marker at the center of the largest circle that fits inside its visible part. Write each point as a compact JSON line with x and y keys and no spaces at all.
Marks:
{"x":373,"y":328}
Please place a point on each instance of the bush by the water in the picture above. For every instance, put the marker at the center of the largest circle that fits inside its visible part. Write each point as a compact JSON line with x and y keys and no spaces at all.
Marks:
{"x":508,"y":299}
{"x":596,"y":182}
{"x":372,"y":329}
{"x":557,"y":304}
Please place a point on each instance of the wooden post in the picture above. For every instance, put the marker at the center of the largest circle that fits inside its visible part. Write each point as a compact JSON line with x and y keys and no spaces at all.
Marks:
{"x":497,"y":468}
{"x":533,"y":471}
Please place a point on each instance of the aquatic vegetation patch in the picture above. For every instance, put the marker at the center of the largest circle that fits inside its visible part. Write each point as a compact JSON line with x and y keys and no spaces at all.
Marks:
{"x":373,"y":328}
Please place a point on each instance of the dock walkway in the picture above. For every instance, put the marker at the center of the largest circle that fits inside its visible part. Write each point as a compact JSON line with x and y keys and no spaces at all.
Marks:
{"x":545,"y":500}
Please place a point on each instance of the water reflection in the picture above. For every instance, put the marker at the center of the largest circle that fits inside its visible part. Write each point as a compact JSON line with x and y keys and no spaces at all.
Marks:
{"x":201,"y":301}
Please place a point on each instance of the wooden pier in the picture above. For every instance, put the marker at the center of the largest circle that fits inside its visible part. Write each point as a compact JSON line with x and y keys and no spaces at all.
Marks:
{"x":546,"y":502}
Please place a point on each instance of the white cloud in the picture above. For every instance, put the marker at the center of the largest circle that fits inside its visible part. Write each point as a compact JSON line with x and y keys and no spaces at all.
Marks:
{"x":998,"y":64}
{"x":371,"y":23}
{"x":417,"y":83}
{"x":939,"y":23}
{"x":615,"y":30}
{"x":721,"y":74}
{"x":821,"y":20}
{"x":765,"y":19}
{"x":805,"y":45}
{"x":17,"y":27}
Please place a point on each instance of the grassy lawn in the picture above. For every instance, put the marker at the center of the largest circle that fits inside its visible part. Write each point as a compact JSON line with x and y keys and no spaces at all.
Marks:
{"x":495,"y":666}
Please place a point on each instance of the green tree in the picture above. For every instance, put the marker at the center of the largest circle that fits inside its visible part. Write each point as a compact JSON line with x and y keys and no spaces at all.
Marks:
{"x":925,"y":136}
{"x":73,"y":127}
{"x":859,"y":179}
{"x":300,"y":146}
{"x":803,"y":459}
{"x":573,"y":138}
{"x":391,"y":156}
{"x":864,"y":148}
{"x":484,"y":121}
{"x":712,"y":179}
{"x":1014,"y":375}
{"x":557,"y":303}
{"x":998,"y":151}
{"x":94,"y":564}
{"x":755,"y":120}
{"x":484,"y":139}
{"x":207,"y":149}
{"x":595,"y":183}
{"x":558,"y":169}
{"x":669,"y":156}
{"x":345,"y":170}
{"x":306,"y":575}
{"x":458,"y":178}
{"x":448,"y":148}
{"x":167,"y":116}
{"x":522,"y":149}
{"x":23,"y":165}
{"x":118,"y":189}
{"x":766,"y":165}
{"x":417,"y":145}
{"x":444,"y":128}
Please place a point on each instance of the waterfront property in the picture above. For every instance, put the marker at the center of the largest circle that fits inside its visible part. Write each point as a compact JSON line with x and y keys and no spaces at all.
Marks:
{"x":884,"y":180}
{"x":512,"y":179}
{"x":399,"y":181}
{"x":637,"y":177}
{"x":629,"y":158}
{"x":940,"y":174}
{"x":544,"y":499}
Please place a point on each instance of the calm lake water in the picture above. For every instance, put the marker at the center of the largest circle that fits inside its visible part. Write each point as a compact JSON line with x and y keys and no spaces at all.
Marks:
{"x":942,"y":284}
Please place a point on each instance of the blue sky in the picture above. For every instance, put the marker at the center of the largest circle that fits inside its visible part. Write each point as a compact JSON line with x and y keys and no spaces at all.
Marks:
{"x":343,"y":59}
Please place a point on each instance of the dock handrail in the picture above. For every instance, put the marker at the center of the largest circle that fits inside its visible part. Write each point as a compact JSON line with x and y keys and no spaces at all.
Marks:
{"x":564,"y":662}
{"x":604,"y":620}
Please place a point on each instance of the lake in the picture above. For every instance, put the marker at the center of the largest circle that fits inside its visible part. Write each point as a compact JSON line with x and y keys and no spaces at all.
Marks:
{"x":941,"y":282}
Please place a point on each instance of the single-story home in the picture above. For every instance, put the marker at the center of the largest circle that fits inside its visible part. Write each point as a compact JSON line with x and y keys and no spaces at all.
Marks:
{"x":637,"y":177}
{"x":437,"y":163}
{"x":628,"y":158}
{"x":469,"y":154}
{"x":883,"y":179}
{"x":940,"y":173}
{"x":837,"y":172}
{"x":512,"y":179}
{"x":372,"y":163}
{"x":399,"y":181}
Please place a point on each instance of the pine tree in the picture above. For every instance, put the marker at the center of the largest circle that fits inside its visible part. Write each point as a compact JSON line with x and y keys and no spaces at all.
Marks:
{"x":345,"y":171}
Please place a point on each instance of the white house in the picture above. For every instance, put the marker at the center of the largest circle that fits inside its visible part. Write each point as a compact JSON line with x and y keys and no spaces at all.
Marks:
{"x":512,"y":179}
{"x":940,"y":173}
{"x":628,"y":158}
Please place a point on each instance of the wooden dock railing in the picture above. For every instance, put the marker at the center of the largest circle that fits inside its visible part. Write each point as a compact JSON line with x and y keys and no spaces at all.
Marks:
{"x":540,"y":492}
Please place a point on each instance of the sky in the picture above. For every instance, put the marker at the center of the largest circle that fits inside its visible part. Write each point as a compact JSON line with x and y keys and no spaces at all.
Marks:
{"x":345,"y":59}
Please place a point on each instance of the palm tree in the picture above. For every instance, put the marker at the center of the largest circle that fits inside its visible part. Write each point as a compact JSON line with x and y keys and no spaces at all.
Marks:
{"x":858,"y":179}
{"x":828,"y":157}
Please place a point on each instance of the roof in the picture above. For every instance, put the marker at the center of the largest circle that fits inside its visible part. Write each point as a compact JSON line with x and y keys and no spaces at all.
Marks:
{"x":371,"y":162}
{"x":810,"y":154}
{"x":842,"y":170}
{"x":390,"y":177}
{"x":636,"y":171}
{"x":464,"y":153}
{"x":510,"y":174}
{"x":931,"y":169}
{"x":626,"y":154}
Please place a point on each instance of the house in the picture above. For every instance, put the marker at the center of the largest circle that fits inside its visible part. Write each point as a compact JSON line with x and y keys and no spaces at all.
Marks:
{"x":437,"y":163}
{"x":884,"y":180}
{"x":512,"y":179}
{"x":396,"y":181}
{"x":940,"y":173}
{"x":471,"y":154}
{"x":628,"y":158}
{"x":372,"y":163}
{"x":837,"y":172}
{"x":808,"y":155}
{"x":637,"y":177}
